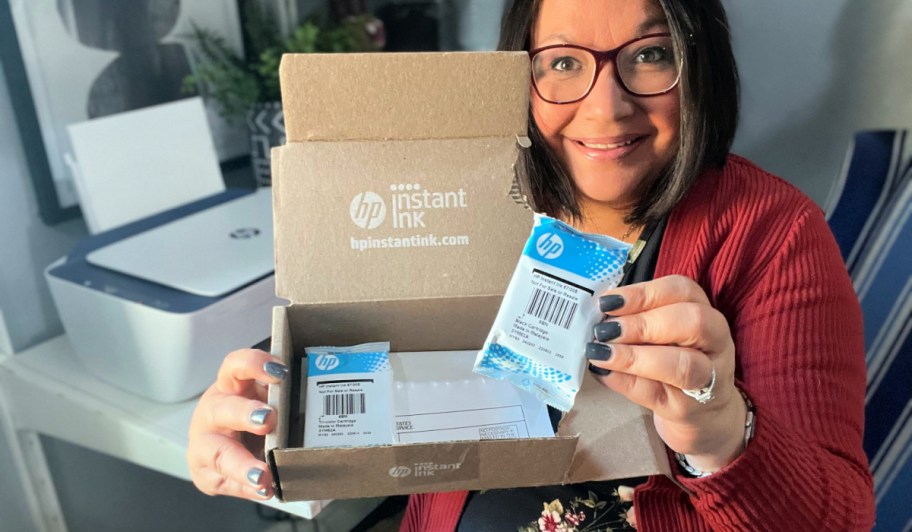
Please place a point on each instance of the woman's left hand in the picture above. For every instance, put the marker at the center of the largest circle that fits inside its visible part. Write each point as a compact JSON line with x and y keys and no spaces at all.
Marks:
{"x":660,"y":337}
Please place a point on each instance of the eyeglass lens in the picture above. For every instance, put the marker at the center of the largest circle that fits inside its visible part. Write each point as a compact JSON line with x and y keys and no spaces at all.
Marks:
{"x":645,"y":66}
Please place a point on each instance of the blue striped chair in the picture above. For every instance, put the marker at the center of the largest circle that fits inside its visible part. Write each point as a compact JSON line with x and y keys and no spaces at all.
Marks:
{"x":883,"y":281}
{"x":874,"y":230}
{"x":874,"y":164}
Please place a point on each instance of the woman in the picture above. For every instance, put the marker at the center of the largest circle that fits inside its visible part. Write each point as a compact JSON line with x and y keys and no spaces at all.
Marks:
{"x":737,"y":325}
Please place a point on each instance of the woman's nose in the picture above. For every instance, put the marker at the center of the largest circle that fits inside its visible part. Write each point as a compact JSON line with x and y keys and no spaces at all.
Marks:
{"x":608,"y":99}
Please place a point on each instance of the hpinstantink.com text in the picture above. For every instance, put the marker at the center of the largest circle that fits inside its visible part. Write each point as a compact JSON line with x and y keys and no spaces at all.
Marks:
{"x":414,"y":241}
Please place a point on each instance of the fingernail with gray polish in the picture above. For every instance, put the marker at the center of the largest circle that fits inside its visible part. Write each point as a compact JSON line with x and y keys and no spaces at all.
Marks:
{"x":596,"y":351}
{"x":610,"y":302}
{"x":254,"y":476}
{"x":607,"y":331}
{"x":599,"y":371}
{"x":258,"y":416}
{"x":262,"y":492}
{"x":275,"y":369}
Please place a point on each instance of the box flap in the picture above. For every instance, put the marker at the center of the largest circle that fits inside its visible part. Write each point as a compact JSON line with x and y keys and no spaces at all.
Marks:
{"x":361,"y":221}
{"x":279,"y":394}
{"x":421,"y":468}
{"x":617,"y":438}
{"x":439,"y":324}
{"x":404,"y":95}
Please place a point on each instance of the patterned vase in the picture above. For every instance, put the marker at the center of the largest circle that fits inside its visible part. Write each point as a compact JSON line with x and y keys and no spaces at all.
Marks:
{"x":266,"y":124}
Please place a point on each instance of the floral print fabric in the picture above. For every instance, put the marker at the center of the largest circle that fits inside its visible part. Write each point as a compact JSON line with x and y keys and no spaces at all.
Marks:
{"x":582,"y":515}
{"x":589,"y":507}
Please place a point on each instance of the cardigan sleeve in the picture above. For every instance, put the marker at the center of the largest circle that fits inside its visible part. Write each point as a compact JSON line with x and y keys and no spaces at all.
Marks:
{"x":797,"y":328}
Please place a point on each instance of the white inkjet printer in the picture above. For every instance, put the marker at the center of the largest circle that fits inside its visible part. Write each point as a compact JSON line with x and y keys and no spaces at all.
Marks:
{"x":154,"y":306}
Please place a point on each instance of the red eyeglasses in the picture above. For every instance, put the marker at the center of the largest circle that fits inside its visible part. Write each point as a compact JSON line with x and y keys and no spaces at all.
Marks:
{"x":566,"y":73}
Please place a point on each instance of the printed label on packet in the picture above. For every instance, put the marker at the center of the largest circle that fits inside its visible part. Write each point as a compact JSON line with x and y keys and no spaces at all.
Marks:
{"x":349,"y":396}
{"x":539,"y":337}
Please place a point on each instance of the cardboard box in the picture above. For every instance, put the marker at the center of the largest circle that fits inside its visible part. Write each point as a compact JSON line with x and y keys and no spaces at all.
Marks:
{"x":388,"y":158}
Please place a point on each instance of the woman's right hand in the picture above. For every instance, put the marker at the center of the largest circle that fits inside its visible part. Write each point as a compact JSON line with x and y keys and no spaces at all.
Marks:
{"x":227,"y":430}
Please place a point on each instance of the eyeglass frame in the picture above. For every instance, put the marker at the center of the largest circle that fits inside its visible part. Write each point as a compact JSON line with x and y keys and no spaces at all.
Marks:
{"x":602,"y":57}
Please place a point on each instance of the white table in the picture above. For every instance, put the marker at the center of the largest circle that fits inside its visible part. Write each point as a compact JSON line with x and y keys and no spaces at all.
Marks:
{"x":49,"y":392}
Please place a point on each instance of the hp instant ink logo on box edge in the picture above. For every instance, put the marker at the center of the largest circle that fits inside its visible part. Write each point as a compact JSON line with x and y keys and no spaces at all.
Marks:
{"x":422,"y":469}
{"x":400,"y":471}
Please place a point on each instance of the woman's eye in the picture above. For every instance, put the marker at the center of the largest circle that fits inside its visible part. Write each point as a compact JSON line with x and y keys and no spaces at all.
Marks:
{"x":564,"y":64}
{"x":653,"y":54}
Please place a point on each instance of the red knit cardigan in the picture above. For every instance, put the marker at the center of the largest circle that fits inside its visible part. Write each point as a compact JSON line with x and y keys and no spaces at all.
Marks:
{"x":767,"y":260}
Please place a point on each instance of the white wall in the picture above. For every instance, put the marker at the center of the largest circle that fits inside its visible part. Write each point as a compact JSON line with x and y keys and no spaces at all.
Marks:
{"x":27,"y":245}
{"x":6,"y":345}
{"x":26,"y":312}
{"x":815,"y":71}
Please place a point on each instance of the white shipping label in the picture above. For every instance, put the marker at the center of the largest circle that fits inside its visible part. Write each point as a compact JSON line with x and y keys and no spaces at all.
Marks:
{"x":455,"y":404}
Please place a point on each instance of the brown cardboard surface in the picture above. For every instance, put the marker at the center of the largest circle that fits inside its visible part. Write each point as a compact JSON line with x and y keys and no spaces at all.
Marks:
{"x":400,"y":148}
{"x":466,"y":183}
{"x":280,"y":395}
{"x":404,"y":95}
{"x":433,"y":324}
{"x":616,"y":437}
{"x":421,"y":468}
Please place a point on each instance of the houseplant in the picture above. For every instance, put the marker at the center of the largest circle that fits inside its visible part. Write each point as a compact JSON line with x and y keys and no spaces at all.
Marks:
{"x":248,"y":86}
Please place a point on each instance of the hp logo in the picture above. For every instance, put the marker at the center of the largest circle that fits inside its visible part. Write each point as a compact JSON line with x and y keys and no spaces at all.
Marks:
{"x":367,"y":210}
{"x":550,"y":246}
{"x":327,"y":362}
{"x":400,"y":471}
{"x":244,"y":233}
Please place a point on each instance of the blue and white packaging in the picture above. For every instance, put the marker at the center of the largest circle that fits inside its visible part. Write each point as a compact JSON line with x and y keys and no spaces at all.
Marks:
{"x":349,"y":398}
{"x":539,"y":337}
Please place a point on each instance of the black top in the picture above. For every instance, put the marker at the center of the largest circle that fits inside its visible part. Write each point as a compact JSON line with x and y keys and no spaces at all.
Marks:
{"x":591,"y":506}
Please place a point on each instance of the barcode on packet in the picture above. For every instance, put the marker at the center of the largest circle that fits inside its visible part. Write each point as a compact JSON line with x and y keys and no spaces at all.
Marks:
{"x":343,"y":404}
{"x":551,"y":308}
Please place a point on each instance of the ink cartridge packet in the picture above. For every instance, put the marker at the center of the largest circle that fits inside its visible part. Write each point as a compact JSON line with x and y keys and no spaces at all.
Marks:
{"x":349,"y":397}
{"x":539,"y":337}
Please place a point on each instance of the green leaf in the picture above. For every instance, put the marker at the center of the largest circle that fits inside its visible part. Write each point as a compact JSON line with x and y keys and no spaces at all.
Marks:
{"x":304,"y":39}
{"x":189,"y":85}
{"x":235,"y":82}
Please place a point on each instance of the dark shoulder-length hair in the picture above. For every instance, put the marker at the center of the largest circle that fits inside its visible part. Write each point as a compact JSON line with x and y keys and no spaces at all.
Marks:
{"x":709,"y":111}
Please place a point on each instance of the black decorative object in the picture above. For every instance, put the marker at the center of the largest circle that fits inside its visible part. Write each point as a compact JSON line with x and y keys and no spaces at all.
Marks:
{"x":267,"y":129}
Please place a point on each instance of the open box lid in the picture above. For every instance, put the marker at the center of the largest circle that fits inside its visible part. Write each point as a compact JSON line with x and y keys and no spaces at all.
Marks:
{"x":404,"y":96}
{"x":395,"y":183}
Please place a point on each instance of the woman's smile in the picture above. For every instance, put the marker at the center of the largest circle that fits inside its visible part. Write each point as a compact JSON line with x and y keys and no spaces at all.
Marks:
{"x":607,"y":148}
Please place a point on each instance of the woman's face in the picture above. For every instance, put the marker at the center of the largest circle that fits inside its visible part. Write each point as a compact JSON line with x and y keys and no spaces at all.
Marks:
{"x":611,"y":141}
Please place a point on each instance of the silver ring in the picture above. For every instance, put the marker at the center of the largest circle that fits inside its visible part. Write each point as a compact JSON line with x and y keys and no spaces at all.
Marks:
{"x":705,"y":394}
